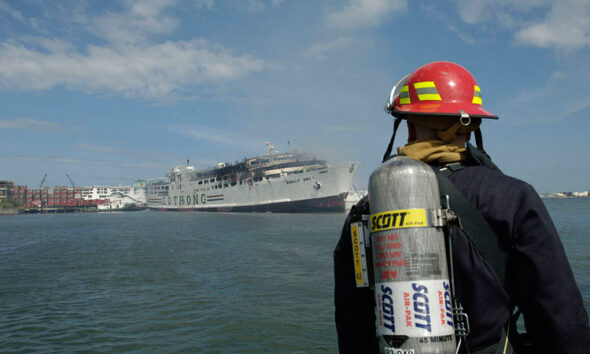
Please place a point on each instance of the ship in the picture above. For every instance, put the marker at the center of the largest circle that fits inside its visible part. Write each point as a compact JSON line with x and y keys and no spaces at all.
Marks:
{"x":117,"y":197}
{"x":275,"y":182}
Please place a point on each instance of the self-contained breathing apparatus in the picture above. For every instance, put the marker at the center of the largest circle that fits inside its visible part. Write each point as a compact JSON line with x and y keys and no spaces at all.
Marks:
{"x":456,"y":210}
{"x":407,"y":263}
{"x":402,"y":244}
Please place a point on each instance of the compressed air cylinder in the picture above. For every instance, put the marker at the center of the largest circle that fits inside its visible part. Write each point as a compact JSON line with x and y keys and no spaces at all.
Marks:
{"x":412,"y":290}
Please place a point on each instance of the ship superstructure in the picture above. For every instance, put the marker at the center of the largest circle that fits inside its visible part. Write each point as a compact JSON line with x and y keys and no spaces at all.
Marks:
{"x":116,"y":197}
{"x":288,"y":182}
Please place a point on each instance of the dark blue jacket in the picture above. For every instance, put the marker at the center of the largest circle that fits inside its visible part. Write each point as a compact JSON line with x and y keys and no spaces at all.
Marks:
{"x":539,"y":278}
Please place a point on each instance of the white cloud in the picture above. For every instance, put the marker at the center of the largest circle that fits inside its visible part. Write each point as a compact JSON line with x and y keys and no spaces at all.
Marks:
{"x":364,"y":13}
{"x":321,"y":50}
{"x":139,"y":21}
{"x":208,"y":4}
{"x":251,"y":6}
{"x":207,"y":134}
{"x":150,"y":71}
{"x":566,"y":27}
{"x":462,"y":35}
{"x":130,"y":64}
{"x":86,"y":161}
{"x":557,"y":78}
{"x":506,"y":13}
{"x":238,"y":141}
{"x":101,"y":148}
{"x":29,"y":124}
{"x":562,"y":96}
{"x":15,"y":14}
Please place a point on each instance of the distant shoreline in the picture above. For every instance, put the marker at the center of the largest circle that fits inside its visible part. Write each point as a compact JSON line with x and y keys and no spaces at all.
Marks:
{"x":9,"y":211}
{"x":545,"y":196}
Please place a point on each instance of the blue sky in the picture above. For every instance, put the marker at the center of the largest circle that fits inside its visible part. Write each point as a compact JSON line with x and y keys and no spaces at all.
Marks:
{"x":112,"y":91}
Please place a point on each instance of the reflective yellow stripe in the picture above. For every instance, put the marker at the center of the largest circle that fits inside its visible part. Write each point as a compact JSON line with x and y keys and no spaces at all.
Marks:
{"x":404,"y":95}
{"x":430,"y":97}
{"x":476,"y":95}
{"x":356,"y":253}
{"x":427,"y":91}
{"x":419,"y":85}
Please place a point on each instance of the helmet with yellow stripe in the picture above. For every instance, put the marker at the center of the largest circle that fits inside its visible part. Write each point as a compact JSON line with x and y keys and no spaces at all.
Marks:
{"x":438,"y":88}
{"x":432,"y":96}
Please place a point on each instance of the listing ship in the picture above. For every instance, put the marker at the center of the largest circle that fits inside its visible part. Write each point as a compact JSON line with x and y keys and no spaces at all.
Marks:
{"x":277,"y":182}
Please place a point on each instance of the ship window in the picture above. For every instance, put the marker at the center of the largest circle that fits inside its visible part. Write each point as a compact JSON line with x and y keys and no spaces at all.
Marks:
{"x":200,"y":182}
{"x":212,"y":180}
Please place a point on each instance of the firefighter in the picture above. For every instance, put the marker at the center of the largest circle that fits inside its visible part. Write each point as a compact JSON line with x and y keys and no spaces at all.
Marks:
{"x":442,"y":105}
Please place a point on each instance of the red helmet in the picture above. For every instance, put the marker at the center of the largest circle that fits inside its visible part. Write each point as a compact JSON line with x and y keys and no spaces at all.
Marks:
{"x":438,"y":88}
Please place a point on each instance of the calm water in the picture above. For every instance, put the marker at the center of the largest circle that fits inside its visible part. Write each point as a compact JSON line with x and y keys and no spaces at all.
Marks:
{"x":187,"y":282}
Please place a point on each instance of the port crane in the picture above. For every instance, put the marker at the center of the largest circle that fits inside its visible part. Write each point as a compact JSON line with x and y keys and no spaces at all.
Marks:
{"x":42,"y":181}
{"x":72,"y":182}
{"x":40,"y":188}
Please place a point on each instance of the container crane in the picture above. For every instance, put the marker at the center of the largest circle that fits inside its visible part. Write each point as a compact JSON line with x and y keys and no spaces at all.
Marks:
{"x":72,"y":182}
{"x":40,"y":188}
{"x":42,"y":181}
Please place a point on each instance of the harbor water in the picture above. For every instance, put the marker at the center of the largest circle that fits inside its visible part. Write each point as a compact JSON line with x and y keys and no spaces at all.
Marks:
{"x":188,"y":282}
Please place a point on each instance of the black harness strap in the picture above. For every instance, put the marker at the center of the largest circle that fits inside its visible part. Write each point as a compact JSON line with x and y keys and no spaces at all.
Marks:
{"x":479,"y":140}
{"x":387,"y":154}
{"x":473,"y":223}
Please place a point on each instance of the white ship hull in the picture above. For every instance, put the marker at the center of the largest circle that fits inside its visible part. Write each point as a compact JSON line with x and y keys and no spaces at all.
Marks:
{"x":308,"y":187}
{"x":119,"y":197}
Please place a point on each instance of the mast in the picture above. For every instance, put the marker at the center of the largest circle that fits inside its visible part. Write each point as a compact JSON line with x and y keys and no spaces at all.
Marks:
{"x":270,"y":146}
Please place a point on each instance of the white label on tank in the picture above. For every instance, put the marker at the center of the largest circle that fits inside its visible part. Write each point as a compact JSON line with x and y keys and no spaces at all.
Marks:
{"x":388,"y":350}
{"x":421,"y":308}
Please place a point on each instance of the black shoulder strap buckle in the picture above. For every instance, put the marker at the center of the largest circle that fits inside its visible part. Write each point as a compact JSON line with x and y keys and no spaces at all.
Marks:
{"x":451,"y":168}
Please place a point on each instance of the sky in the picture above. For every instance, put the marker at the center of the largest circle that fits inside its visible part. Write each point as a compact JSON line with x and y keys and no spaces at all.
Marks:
{"x":108,"y":92}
